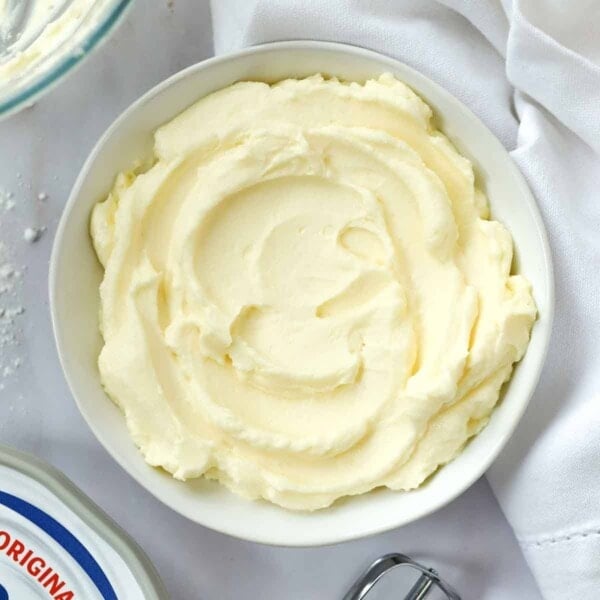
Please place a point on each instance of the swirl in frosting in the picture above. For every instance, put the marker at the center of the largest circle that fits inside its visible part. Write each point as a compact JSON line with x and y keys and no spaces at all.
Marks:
{"x":304,"y":297}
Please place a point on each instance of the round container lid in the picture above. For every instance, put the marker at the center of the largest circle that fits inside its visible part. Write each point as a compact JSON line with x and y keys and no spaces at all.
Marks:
{"x":56,"y":544}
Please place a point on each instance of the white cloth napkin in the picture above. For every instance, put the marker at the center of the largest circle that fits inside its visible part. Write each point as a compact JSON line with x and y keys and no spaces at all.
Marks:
{"x":530,"y":70}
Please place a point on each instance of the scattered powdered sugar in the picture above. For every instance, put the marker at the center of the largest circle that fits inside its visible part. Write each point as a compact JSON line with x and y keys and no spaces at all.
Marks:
{"x":7,"y":271}
{"x":10,"y":284}
{"x":10,"y":368}
{"x":33,"y":234}
{"x":11,"y":275}
{"x":11,"y":279}
{"x":6,"y":200}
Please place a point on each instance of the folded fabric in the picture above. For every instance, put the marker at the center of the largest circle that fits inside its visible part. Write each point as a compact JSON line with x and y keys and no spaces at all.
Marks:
{"x":530,"y":70}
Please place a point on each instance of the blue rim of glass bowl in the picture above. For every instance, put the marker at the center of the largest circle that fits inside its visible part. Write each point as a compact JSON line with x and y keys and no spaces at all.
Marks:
{"x":44,"y":84}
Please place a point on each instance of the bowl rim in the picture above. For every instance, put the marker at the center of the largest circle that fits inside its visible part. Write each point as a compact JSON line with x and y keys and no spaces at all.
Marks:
{"x":543,"y":329}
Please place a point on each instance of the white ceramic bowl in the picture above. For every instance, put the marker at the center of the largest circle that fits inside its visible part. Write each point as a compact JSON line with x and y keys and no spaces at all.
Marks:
{"x":75,"y":275}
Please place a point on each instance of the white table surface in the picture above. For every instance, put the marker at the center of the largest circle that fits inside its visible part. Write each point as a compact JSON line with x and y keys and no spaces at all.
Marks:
{"x":41,"y":150}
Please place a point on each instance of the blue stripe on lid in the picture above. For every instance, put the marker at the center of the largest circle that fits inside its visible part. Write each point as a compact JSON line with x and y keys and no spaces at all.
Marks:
{"x":64,"y":538}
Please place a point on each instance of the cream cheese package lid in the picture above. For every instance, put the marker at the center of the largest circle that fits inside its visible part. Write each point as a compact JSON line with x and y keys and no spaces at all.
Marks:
{"x":56,"y":544}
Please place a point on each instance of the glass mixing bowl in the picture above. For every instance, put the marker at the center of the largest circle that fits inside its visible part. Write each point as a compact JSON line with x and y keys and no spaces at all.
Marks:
{"x":43,"y":40}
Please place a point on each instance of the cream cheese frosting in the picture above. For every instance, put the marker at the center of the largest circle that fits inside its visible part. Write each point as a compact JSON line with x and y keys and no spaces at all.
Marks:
{"x":304,"y":296}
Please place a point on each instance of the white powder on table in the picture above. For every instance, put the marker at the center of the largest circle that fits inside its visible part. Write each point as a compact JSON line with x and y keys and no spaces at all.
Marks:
{"x":33,"y":234}
{"x":11,"y":309}
{"x":6,"y":200}
{"x":11,"y":281}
